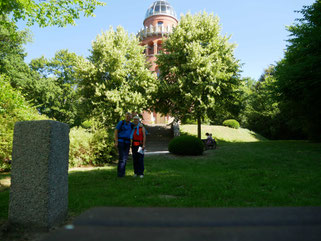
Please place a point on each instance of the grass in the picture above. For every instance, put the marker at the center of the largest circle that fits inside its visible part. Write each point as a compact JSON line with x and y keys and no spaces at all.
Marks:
{"x":252,"y":174}
{"x":225,"y":134}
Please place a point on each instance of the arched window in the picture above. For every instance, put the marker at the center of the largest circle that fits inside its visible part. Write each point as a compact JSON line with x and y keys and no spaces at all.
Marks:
{"x":160,"y":23}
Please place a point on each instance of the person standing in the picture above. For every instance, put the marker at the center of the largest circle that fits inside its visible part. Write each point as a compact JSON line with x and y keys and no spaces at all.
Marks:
{"x":122,"y":142}
{"x":138,"y":137}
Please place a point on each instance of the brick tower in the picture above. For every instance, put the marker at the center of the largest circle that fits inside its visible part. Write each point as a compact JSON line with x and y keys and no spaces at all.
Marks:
{"x":159,"y":22}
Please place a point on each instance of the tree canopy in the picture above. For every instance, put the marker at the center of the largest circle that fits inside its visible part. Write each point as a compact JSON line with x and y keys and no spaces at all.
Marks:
{"x":54,"y":92}
{"x":198,"y":70}
{"x":299,"y":73}
{"x":12,"y":52}
{"x":116,"y":77}
{"x":13,"y":108}
{"x":48,"y":12}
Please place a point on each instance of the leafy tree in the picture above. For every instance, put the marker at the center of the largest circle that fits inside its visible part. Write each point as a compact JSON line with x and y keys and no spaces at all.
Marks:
{"x":55,"y":91}
{"x":198,"y":69}
{"x":48,"y":12}
{"x":262,"y":111}
{"x":116,"y":78}
{"x":234,"y":106}
{"x":299,"y":73}
{"x":12,"y":53}
{"x":13,"y":108}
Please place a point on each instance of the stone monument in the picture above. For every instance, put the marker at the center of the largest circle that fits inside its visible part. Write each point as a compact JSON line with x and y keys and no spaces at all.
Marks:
{"x":39,"y":176}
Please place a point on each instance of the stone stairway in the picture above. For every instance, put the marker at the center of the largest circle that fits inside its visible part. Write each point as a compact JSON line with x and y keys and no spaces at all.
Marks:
{"x":158,"y":138}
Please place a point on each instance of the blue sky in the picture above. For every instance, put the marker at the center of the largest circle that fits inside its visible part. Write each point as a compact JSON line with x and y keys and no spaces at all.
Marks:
{"x":258,"y":27}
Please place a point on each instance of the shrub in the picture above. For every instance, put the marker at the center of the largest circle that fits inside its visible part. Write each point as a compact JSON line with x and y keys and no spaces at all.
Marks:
{"x":103,"y":148}
{"x":87,"y":124}
{"x":232,"y":123}
{"x":91,"y":147}
{"x":186,"y":145}
{"x":80,"y":153}
{"x":13,"y":108}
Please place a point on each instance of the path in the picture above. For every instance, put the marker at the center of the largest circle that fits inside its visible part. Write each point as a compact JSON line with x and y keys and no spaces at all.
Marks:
{"x":205,"y":224}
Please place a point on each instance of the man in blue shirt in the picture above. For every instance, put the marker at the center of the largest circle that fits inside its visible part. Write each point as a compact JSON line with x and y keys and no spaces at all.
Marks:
{"x":122,"y":142}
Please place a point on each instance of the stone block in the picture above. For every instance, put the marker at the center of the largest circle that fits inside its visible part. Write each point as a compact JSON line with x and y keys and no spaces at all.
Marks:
{"x":39,"y":176}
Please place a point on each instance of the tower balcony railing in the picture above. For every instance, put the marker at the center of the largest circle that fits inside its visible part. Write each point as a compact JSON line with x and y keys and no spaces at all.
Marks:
{"x":155,"y":31}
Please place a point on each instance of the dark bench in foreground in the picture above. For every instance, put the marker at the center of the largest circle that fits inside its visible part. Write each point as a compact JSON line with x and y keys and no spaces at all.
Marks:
{"x":214,"y":224}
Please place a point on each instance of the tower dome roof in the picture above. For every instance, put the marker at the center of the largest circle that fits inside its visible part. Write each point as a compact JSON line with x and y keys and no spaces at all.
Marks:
{"x":162,"y":7}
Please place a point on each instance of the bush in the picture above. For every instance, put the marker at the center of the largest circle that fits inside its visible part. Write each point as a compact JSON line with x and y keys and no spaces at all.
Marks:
{"x":13,"y":108}
{"x":91,"y":148}
{"x":186,"y":145}
{"x":232,"y":123}
{"x":103,"y":147}
{"x":80,"y":153}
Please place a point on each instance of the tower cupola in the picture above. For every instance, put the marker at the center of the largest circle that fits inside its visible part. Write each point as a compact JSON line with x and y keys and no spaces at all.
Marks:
{"x":162,"y":7}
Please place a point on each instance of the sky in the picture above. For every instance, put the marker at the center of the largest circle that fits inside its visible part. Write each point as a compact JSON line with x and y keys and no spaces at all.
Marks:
{"x":257,"y":27}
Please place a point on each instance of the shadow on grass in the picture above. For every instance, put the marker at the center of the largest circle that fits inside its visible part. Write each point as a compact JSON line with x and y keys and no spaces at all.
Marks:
{"x":268,"y":173}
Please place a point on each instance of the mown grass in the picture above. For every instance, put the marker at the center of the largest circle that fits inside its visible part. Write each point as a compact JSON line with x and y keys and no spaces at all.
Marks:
{"x":269,"y":173}
{"x":223,"y":133}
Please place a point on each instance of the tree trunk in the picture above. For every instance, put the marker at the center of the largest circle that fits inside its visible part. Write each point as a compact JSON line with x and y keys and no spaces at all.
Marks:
{"x":199,"y":128}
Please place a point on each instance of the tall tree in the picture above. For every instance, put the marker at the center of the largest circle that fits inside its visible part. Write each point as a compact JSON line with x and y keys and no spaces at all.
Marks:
{"x":55,"y":91}
{"x":48,"y":12}
{"x":299,"y":73}
{"x":13,"y":108}
{"x":116,"y":78}
{"x":12,"y":53}
{"x":234,"y":106}
{"x":262,"y":111}
{"x":198,"y":69}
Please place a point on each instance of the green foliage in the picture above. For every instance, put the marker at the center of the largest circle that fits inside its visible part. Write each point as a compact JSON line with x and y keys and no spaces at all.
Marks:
{"x":12,"y":40}
{"x":186,"y":145}
{"x":12,"y":52}
{"x":87,"y":124}
{"x":116,"y":79}
{"x":13,"y":108}
{"x":231,"y":123}
{"x":234,"y":106}
{"x":197,"y":69}
{"x":262,"y":112}
{"x":103,"y":147}
{"x":48,"y":12}
{"x":94,"y":147}
{"x":299,"y":73}
{"x":187,"y":120}
{"x":55,"y":91}
{"x":80,"y":153}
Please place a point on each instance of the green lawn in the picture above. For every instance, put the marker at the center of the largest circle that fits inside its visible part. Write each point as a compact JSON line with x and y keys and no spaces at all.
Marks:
{"x":269,"y":173}
{"x":225,"y":134}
